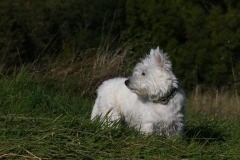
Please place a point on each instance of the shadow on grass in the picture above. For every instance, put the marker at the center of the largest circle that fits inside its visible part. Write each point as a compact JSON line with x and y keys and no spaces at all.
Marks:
{"x":204,"y":134}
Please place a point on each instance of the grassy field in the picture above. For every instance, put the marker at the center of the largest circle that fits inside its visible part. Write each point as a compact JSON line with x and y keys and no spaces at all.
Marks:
{"x":49,"y":119}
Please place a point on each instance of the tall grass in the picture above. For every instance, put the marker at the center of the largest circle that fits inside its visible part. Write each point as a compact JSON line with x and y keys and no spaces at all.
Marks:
{"x":24,"y":94}
{"x":45,"y":111}
{"x":88,"y":69}
{"x":46,"y":120}
{"x":218,"y":102}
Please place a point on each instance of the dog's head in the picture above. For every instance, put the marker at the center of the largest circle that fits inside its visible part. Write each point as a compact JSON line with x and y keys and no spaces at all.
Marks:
{"x":153,"y":77}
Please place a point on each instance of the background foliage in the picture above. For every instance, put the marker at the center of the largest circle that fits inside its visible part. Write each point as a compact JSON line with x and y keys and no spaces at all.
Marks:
{"x":200,"y":36}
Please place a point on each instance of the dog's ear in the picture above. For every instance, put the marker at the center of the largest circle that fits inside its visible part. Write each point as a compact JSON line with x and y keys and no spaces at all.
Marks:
{"x":161,"y":58}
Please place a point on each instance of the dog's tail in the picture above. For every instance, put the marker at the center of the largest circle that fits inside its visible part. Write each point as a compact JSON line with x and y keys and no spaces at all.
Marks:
{"x":95,"y":111}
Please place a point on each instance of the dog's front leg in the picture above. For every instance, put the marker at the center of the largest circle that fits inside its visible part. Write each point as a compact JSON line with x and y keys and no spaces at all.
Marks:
{"x":147,"y":128}
{"x":110,"y":118}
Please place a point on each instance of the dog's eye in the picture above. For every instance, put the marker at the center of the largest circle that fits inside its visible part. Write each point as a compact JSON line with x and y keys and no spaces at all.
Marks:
{"x":143,"y":74}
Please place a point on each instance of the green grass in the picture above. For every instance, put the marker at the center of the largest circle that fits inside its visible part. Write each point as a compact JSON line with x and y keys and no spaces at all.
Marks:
{"x":50,"y":120}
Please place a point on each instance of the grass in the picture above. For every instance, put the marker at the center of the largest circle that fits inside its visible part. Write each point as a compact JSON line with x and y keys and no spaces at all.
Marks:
{"x":49,"y":119}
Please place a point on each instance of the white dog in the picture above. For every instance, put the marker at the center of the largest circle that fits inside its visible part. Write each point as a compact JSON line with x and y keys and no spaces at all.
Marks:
{"x":151,"y":100}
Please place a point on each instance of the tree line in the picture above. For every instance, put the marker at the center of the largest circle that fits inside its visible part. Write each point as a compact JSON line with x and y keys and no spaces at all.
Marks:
{"x":202,"y":37}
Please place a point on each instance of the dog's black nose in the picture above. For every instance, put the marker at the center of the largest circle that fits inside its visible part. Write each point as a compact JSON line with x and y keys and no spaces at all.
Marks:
{"x":127,"y":82}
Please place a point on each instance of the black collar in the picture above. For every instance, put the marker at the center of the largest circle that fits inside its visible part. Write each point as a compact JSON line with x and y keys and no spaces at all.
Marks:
{"x":165,"y":99}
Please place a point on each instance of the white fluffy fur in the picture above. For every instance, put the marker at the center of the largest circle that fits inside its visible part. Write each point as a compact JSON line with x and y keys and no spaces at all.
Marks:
{"x":133,"y":98}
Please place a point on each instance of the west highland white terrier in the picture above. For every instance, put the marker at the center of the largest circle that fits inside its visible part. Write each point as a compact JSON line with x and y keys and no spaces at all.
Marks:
{"x":152,"y":100}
